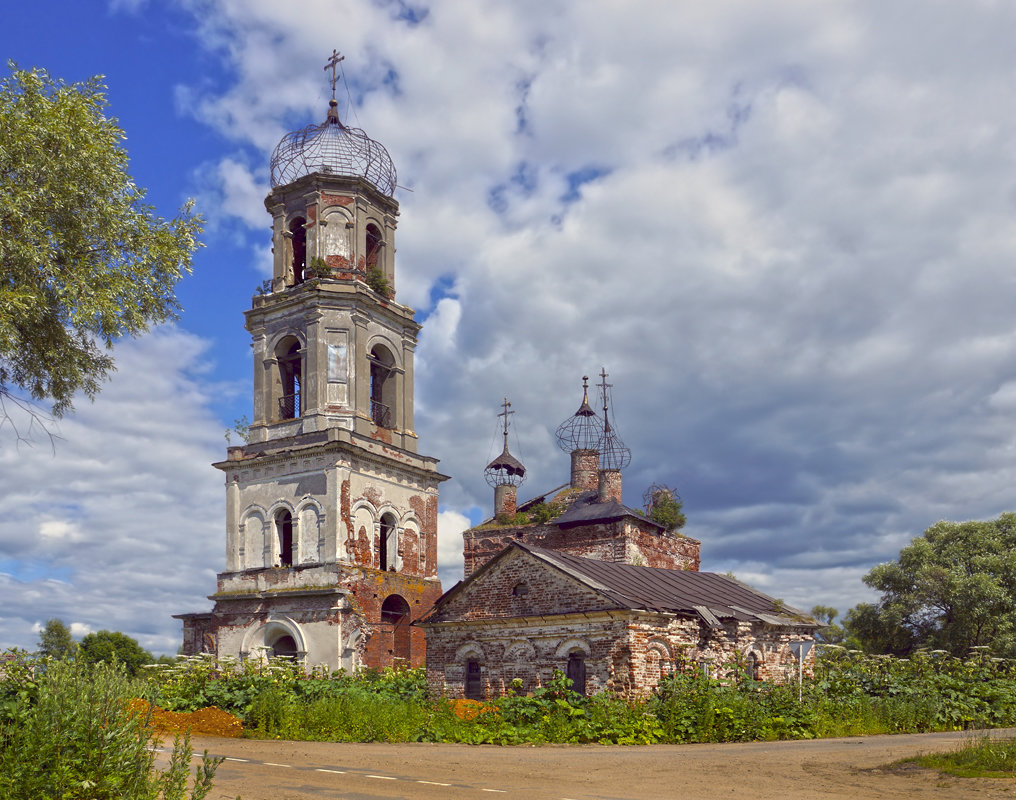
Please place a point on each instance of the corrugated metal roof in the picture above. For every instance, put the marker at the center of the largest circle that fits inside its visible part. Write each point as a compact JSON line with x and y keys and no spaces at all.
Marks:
{"x":707,"y":594}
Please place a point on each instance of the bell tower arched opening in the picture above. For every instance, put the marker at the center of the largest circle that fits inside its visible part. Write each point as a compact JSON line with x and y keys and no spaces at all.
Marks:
{"x":382,"y":387}
{"x":373,"y":249}
{"x":290,"y":359}
{"x":298,"y":230}
{"x":284,"y":532}
{"x":388,"y":546}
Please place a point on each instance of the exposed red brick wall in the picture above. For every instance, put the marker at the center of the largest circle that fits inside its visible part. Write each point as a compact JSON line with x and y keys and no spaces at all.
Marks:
{"x":335,"y":199}
{"x":628,"y":540}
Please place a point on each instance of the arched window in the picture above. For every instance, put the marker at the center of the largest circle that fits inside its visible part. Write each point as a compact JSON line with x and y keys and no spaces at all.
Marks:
{"x":284,"y":530}
{"x":577,"y":672}
{"x":382,"y":387}
{"x":290,"y":377}
{"x":395,"y":617}
{"x":298,"y":228}
{"x":373,"y":246}
{"x":751,"y":666}
{"x":388,"y":547}
{"x":284,"y":647}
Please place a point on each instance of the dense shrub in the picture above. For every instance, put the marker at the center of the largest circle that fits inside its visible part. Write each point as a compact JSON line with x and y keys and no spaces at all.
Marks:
{"x":850,"y":694}
{"x":68,"y":730}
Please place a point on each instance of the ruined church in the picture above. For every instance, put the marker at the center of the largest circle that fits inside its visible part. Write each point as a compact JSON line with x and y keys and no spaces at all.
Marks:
{"x":575,"y":581}
{"x":331,"y":513}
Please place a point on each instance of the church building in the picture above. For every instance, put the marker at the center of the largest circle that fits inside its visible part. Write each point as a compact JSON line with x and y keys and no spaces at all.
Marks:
{"x":331,"y":513}
{"x":576,"y":581}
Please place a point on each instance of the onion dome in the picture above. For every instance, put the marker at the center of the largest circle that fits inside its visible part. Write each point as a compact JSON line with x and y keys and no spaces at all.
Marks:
{"x":505,"y":470}
{"x":582,"y":430}
{"x":333,"y":149}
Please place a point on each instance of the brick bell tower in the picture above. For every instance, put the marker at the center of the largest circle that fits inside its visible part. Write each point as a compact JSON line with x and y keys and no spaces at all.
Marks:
{"x":331,"y":514}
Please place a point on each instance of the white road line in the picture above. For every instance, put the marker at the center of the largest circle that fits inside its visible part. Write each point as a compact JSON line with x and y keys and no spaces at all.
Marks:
{"x":382,"y":777}
{"x":499,"y":791}
{"x":272,"y":764}
{"x":244,"y":760}
{"x":434,"y":783}
{"x":333,"y":771}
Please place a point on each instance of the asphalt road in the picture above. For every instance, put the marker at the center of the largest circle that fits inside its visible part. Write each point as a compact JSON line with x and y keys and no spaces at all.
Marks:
{"x":850,"y":768}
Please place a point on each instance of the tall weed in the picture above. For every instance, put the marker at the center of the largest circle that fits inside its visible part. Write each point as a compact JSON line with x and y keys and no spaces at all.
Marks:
{"x":68,"y":730}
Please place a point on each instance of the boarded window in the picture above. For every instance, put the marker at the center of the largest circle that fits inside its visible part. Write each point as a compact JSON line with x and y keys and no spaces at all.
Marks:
{"x":474,"y":681}
{"x":577,"y":672}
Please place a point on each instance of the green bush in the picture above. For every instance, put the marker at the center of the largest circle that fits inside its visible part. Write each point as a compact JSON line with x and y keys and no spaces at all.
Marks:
{"x":850,"y":694}
{"x":68,"y":730}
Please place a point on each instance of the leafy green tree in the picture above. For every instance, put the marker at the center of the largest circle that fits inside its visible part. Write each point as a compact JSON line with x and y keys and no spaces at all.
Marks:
{"x":55,"y":640}
{"x":113,"y":647}
{"x":831,"y":633}
{"x":85,"y":259}
{"x":664,"y":506}
{"x":953,"y":588}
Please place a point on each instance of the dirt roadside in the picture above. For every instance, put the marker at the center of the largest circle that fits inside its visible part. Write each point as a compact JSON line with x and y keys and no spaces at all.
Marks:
{"x":830,"y":768}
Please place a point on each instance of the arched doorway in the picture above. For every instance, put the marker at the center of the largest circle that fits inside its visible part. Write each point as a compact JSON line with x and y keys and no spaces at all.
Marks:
{"x":395,"y":619}
{"x":285,"y":647}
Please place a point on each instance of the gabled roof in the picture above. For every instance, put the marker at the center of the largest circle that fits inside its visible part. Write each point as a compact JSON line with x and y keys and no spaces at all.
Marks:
{"x":707,"y":595}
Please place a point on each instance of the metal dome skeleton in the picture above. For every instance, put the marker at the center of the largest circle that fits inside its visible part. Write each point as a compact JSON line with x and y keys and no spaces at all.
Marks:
{"x":505,"y":470}
{"x":332,"y":148}
{"x":583,"y":429}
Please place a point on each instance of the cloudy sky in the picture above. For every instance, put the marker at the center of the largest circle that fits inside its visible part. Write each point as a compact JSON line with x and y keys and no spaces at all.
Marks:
{"x":784,"y":228}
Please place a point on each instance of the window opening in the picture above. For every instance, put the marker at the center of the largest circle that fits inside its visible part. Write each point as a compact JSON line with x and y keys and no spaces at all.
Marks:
{"x":373,"y":246}
{"x":291,"y":373}
{"x":388,"y":546}
{"x":577,"y":672}
{"x":284,"y":647}
{"x":751,"y":666}
{"x":298,"y":228}
{"x":382,"y":387}
{"x":474,"y":684}
{"x":395,"y":618}
{"x":284,"y":524}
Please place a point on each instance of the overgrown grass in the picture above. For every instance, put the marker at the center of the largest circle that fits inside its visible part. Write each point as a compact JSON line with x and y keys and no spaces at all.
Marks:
{"x":983,"y":757}
{"x":850,"y":694}
{"x":67,"y":730}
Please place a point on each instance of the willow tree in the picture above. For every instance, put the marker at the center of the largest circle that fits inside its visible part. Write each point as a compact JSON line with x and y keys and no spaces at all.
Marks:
{"x":85,"y":260}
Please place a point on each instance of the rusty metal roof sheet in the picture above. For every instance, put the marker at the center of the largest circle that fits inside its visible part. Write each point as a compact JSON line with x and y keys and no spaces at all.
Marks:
{"x":708,"y":595}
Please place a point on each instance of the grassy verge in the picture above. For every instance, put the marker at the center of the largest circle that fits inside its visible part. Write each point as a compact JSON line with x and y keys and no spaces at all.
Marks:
{"x":982,"y":757}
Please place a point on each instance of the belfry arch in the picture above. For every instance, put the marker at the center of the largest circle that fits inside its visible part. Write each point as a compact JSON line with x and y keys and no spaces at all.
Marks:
{"x":382,"y":387}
